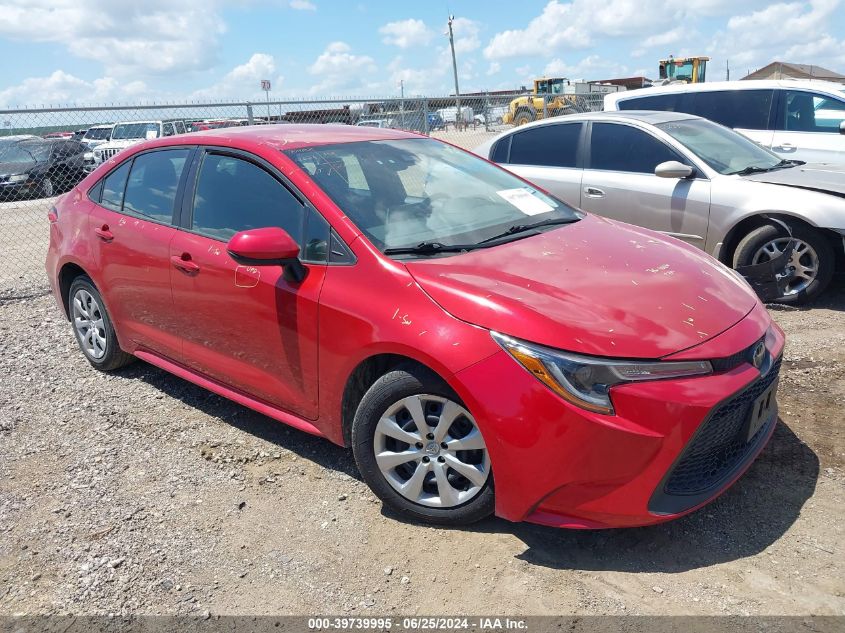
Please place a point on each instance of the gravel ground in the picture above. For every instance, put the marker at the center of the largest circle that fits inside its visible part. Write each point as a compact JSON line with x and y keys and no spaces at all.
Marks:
{"x":138,"y":493}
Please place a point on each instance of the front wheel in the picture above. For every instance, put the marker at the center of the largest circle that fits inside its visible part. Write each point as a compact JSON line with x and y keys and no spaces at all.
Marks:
{"x":47,"y":189}
{"x":811,"y":265}
{"x":420,"y":450}
{"x":522,"y":118}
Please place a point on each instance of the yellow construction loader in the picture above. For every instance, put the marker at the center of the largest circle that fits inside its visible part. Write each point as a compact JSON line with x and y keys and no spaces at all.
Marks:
{"x":548,"y":98}
{"x":690,"y":70}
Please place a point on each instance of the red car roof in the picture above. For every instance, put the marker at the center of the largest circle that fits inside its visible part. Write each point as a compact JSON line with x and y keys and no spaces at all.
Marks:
{"x":285,"y":136}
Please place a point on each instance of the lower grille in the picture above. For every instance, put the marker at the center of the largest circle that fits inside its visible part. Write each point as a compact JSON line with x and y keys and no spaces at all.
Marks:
{"x":717,"y":450}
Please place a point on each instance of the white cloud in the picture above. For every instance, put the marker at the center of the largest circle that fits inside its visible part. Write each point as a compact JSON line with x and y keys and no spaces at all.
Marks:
{"x":493,"y":68}
{"x":406,"y":33}
{"x":155,"y":37}
{"x":672,"y":36}
{"x":585,"y":24}
{"x":466,"y":35}
{"x":556,"y":27}
{"x":787,"y":31}
{"x":826,"y":47}
{"x":590,"y":67}
{"x":61,"y":87}
{"x":303,"y":5}
{"x":343,"y":71}
{"x":243,"y":81}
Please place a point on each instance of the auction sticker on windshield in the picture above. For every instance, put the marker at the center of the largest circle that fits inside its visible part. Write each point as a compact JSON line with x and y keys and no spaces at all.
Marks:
{"x":525,"y":200}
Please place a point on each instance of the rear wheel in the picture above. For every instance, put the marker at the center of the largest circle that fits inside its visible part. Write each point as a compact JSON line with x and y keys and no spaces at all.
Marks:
{"x":420,"y":450}
{"x":812,"y":262}
{"x":93,"y":327}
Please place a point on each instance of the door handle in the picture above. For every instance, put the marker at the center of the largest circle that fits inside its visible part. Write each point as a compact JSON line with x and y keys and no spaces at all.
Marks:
{"x":104,"y":233}
{"x":593,"y":192}
{"x":183,"y":262}
{"x":785,"y":147}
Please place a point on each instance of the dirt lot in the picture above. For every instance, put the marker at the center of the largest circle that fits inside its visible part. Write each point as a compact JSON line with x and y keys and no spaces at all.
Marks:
{"x":137,"y":492}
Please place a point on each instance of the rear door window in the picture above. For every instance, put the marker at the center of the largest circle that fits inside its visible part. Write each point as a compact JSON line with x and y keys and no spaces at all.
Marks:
{"x":153,"y":181}
{"x":810,"y":112}
{"x":617,"y":147}
{"x":553,"y":145}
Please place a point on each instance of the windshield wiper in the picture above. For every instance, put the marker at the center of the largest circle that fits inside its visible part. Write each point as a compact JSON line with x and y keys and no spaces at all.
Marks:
{"x":429,"y":248}
{"x":752,"y":169}
{"x":522,"y":228}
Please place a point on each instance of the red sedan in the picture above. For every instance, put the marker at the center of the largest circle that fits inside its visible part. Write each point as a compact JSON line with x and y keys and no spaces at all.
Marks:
{"x":481,"y":346}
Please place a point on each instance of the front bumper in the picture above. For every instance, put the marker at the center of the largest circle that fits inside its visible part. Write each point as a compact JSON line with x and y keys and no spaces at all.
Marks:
{"x":16,"y":190}
{"x":559,"y":465}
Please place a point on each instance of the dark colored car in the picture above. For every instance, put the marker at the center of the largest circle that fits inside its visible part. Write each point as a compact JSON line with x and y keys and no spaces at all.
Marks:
{"x":39,"y":167}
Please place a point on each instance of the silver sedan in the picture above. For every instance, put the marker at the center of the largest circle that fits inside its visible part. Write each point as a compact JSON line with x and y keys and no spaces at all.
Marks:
{"x":692,"y":179}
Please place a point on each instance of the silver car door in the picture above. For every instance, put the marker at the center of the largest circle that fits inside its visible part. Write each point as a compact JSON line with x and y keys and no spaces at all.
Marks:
{"x":619,"y":183}
{"x":547,"y":155}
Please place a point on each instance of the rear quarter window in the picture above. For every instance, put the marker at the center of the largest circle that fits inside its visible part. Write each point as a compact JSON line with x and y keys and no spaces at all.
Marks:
{"x":743,"y":109}
{"x":665,"y":103}
{"x":113,"y":187}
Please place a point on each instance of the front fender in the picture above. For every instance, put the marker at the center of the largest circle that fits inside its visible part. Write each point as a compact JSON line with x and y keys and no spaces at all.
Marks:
{"x":732,"y":206}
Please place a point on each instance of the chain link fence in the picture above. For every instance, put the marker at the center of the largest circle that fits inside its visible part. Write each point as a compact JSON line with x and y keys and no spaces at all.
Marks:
{"x":45,"y":152}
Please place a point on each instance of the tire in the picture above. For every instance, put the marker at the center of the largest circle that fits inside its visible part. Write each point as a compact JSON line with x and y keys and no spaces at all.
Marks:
{"x":46,"y":188}
{"x":434,"y":491}
{"x":522,"y":118}
{"x":813,"y":259}
{"x":97,"y":340}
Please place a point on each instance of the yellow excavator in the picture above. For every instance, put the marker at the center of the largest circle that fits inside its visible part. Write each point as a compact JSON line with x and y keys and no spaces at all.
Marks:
{"x":690,"y":70}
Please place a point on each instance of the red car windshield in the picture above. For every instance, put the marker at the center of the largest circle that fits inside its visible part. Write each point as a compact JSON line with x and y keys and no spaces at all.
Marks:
{"x":405,"y":192}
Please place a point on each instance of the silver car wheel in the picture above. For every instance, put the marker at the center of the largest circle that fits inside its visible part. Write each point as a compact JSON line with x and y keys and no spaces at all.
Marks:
{"x":47,"y":187}
{"x":88,"y":323}
{"x":430,"y":451}
{"x":804,"y":263}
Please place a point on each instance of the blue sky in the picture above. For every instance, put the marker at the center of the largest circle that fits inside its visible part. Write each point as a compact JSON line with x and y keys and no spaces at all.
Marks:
{"x":107,"y":51}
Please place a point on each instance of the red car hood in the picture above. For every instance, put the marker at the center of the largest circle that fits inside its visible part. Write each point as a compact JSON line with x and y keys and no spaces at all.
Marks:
{"x":597,"y":287}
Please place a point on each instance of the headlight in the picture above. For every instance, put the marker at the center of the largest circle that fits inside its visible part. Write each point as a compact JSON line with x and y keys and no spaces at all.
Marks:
{"x":586,"y":381}
{"x":98,"y":154}
{"x":18,"y":178}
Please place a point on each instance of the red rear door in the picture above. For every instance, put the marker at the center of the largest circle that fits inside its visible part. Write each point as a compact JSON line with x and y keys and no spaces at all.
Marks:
{"x":248,"y":326}
{"x":131,"y":227}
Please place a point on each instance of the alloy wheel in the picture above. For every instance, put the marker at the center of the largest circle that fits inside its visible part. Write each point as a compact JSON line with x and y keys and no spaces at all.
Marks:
{"x":88,"y":323}
{"x":429,"y":449}
{"x":804,"y":263}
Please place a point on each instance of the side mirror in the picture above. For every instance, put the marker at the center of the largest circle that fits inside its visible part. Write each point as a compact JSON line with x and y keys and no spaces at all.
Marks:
{"x":842,"y":127}
{"x":270,"y":246}
{"x":673,"y":169}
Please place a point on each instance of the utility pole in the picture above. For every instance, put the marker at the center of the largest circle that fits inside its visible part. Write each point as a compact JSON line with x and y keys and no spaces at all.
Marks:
{"x":265,"y":86}
{"x":459,"y":114}
{"x":402,"y":102}
{"x":727,"y":70}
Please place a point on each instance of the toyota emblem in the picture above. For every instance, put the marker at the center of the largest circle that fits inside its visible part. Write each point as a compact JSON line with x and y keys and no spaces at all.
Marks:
{"x":759,"y":355}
